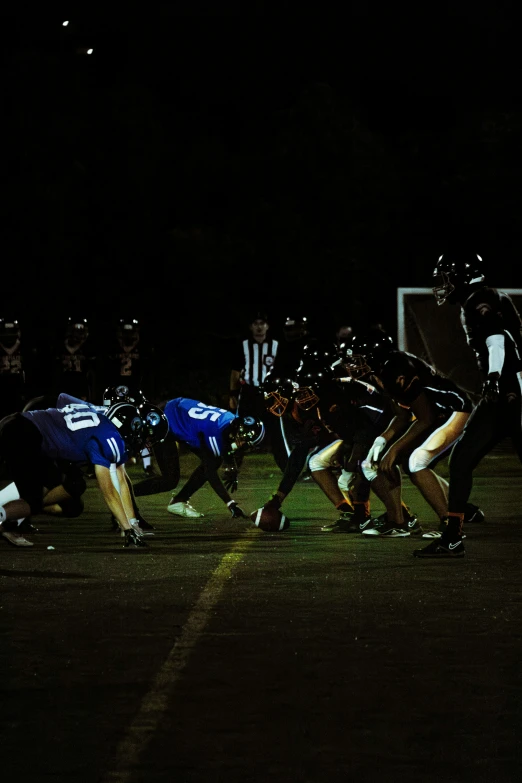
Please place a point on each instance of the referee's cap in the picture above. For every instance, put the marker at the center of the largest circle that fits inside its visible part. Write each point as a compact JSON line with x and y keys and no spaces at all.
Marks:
{"x":259,"y":315}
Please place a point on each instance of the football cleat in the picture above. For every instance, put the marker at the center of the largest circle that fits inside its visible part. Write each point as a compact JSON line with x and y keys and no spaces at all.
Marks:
{"x":133,"y":539}
{"x":443,"y":548}
{"x":473,"y":514}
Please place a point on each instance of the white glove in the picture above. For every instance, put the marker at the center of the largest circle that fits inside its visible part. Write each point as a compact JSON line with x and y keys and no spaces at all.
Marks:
{"x":374,"y":455}
{"x":344,"y":480}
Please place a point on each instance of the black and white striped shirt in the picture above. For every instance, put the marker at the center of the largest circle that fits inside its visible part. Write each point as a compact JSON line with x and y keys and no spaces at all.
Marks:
{"x":256,"y":360}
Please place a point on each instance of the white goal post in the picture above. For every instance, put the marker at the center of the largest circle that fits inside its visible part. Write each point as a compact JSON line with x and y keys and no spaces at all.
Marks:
{"x":435,"y":334}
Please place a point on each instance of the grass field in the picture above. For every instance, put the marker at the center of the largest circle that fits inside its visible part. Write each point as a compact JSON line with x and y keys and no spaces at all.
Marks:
{"x":221,"y":653}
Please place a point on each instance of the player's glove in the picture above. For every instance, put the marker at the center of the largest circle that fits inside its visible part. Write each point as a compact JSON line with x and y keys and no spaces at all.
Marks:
{"x":274,"y":502}
{"x":235,"y":510}
{"x":490,"y":389}
{"x":373,"y":456}
{"x":230,"y":479}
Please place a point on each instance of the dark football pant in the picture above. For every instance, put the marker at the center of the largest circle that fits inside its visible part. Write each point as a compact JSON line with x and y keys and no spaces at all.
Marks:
{"x":489,"y":423}
{"x":22,"y":459}
{"x":167,"y":458}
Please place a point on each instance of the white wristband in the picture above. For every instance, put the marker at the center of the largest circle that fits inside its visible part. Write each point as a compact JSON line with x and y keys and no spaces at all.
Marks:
{"x":230,"y":502}
{"x":496,"y":352}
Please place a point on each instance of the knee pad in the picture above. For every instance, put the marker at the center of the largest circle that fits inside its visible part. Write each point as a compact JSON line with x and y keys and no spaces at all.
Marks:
{"x":368,"y":472}
{"x":318,"y":462}
{"x":9,"y":493}
{"x":419,"y":460}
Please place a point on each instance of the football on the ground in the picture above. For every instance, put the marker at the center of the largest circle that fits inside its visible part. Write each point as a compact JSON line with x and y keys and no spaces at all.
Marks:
{"x":271,"y":520}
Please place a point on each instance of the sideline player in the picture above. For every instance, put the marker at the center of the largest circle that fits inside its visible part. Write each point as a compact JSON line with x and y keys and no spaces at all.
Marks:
{"x":493,"y":329}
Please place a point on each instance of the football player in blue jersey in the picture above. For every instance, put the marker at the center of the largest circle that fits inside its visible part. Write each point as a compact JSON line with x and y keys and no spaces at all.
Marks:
{"x":74,"y":431}
{"x":212,"y":434}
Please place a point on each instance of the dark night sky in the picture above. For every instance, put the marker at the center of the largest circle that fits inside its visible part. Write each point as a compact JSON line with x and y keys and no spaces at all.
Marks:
{"x":311,"y":162}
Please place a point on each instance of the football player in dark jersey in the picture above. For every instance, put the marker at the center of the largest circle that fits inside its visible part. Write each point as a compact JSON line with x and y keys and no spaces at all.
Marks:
{"x":414,"y":443}
{"x":493,"y":329}
{"x":338,"y":423}
{"x":211,"y":433}
{"x":75,"y":431}
{"x":315,"y":445}
{"x":12,"y":367}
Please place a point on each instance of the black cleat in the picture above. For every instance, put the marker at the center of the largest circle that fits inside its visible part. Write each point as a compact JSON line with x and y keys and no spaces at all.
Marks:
{"x":132,"y":539}
{"x":345,"y":524}
{"x":444,"y":547}
{"x":473,"y":514}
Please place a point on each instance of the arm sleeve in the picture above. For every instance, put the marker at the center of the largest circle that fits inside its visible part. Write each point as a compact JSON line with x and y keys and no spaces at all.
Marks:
{"x":496,"y":351}
{"x":211,"y":465}
{"x":294,"y":466}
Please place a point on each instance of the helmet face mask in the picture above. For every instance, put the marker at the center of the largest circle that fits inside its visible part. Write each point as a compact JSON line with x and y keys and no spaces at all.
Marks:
{"x":155,"y":423}
{"x":306,"y":398}
{"x":126,"y":418}
{"x":355,"y":364}
{"x":246,"y":431}
{"x":366,"y":355}
{"x":312,"y":378}
{"x":277,"y":393}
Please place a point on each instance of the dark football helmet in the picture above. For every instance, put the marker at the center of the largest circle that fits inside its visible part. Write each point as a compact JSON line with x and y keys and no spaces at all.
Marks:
{"x":312,"y":380}
{"x":122,"y":393}
{"x":366,"y":354}
{"x":77,"y":330}
{"x":126,"y":417}
{"x":10,"y":332}
{"x":453,"y":274}
{"x":277,"y":393}
{"x":155,"y":423}
{"x":294,"y":328}
{"x":246,"y":431}
{"x":128,"y":331}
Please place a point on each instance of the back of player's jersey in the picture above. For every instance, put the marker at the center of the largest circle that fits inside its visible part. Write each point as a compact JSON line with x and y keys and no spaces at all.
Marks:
{"x":188,"y":419}
{"x":78,"y":432}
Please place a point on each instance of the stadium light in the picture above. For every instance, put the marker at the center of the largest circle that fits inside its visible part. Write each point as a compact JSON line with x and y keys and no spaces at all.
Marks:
{"x":64,"y":24}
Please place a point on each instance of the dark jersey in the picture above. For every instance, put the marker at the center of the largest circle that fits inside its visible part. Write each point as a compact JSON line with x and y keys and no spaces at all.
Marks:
{"x":341,"y":399}
{"x":190,"y":420}
{"x":289,"y":356}
{"x":405,"y":376}
{"x":487,"y":312}
{"x":78,"y":431}
{"x":11,"y":361}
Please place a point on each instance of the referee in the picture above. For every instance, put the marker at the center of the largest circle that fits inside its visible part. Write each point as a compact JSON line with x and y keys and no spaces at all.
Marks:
{"x":252,"y":359}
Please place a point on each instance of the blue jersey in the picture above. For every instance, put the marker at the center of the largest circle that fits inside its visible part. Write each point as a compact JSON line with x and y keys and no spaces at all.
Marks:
{"x":189,"y":419}
{"x":79,"y":431}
